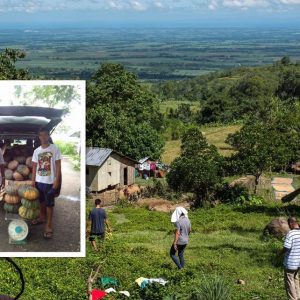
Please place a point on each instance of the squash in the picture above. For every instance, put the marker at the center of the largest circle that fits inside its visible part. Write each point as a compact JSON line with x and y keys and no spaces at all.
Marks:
{"x":28,"y":213}
{"x":29,"y":162}
{"x":13,"y":164}
{"x":12,"y":199}
{"x":28,"y":192}
{"x":20,"y":159}
{"x":8,"y":174}
{"x":23,"y":170}
{"x":35,"y":204}
{"x":11,"y":190}
{"x":17,"y":176}
{"x":11,"y":208}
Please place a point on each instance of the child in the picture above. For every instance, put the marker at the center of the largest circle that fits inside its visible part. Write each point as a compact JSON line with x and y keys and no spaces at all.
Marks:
{"x":99,"y":219}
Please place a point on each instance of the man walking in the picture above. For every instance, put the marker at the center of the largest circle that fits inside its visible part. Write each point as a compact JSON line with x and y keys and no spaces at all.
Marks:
{"x":46,"y":177}
{"x":99,"y":219}
{"x":291,"y":252}
{"x":183,"y":229}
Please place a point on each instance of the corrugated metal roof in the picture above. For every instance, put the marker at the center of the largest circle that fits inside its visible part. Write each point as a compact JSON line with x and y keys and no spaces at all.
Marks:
{"x":142,"y":160}
{"x":97,"y":156}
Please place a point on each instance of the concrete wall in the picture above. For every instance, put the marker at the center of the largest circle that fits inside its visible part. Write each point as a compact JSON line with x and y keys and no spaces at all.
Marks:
{"x":111,"y":174}
{"x":92,"y":177}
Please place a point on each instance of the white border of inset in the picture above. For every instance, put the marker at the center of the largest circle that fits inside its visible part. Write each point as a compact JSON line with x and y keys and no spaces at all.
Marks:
{"x":82,"y":252}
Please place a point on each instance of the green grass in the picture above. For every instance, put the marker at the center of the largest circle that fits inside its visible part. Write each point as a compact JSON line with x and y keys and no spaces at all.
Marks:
{"x":225,"y":241}
{"x":215,"y":136}
{"x":165,"y":106}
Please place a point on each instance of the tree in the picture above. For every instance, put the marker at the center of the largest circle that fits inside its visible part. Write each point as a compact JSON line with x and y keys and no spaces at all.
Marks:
{"x":286,"y":60}
{"x":198,"y":169}
{"x":52,"y":95}
{"x":122,"y":114}
{"x":8,"y":69}
{"x":289,"y":85}
{"x":268,"y":142}
{"x":184,"y":113}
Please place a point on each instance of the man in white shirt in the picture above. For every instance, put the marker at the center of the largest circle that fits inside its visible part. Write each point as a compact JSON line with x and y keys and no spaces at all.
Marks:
{"x":2,"y":182}
{"x":291,"y":252}
{"x":46,"y":177}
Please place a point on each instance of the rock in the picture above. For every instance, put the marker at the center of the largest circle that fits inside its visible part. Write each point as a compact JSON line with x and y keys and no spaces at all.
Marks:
{"x":278,"y":227}
{"x":247,"y":182}
{"x":241,"y":281}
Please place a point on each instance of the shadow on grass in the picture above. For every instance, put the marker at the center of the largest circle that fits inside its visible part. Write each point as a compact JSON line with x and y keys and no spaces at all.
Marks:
{"x":274,"y":211}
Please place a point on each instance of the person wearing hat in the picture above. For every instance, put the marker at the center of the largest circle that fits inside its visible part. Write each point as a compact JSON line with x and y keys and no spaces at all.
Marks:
{"x":181,"y":239}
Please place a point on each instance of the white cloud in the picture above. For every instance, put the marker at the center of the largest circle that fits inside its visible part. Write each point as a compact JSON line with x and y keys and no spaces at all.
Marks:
{"x":290,"y":2}
{"x":138,"y":5}
{"x":213,"y":5}
{"x":245,"y":4}
{"x":32,"y":6}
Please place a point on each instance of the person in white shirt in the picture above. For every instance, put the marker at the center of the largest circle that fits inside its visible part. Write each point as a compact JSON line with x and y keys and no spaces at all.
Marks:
{"x":46,"y":177}
{"x":291,"y":250}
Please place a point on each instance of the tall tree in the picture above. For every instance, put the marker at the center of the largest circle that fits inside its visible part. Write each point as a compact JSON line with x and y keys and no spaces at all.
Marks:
{"x":8,"y":69}
{"x":267,"y":142}
{"x":122,"y":114}
{"x":198,"y":169}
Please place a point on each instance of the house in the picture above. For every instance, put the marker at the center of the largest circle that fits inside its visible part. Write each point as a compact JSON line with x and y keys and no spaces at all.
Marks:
{"x":108,"y":169}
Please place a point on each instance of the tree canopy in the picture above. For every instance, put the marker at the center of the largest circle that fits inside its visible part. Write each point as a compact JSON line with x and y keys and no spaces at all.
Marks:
{"x":122,"y":114}
{"x":8,"y":69}
{"x":198,"y":169}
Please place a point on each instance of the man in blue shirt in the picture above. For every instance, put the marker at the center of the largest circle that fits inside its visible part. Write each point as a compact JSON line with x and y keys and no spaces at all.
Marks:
{"x":99,"y":219}
{"x":292,"y":260}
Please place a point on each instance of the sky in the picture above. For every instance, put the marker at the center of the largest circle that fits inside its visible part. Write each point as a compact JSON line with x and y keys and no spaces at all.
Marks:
{"x":70,"y":121}
{"x":148,"y":13}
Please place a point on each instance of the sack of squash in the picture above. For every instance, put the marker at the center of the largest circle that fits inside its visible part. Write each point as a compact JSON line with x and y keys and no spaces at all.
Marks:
{"x":30,"y":208}
{"x":12,"y":199}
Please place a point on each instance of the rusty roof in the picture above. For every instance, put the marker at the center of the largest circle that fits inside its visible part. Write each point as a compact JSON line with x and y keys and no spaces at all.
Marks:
{"x":97,"y":156}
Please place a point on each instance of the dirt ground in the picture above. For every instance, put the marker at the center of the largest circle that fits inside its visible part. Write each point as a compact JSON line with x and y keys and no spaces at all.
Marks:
{"x":66,"y":220}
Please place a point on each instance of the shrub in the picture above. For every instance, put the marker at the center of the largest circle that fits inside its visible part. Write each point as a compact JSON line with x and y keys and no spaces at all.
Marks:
{"x":213,"y":288}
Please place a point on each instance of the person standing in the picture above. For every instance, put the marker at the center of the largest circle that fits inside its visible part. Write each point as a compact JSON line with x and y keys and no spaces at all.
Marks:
{"x":46,"y":177}
{"x":181,"y":239}
{"x":291,"y":252}
{"x":98,"y":217}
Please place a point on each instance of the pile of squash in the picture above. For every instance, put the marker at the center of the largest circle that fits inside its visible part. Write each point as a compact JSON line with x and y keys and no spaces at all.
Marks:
{"x":23,"y":200}
{"x":30,"y":208}
{"x":12,"y":199}
{"x":18,"y":163}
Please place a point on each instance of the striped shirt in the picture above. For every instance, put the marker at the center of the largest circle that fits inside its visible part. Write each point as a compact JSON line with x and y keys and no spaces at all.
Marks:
{"x":292,"y":256}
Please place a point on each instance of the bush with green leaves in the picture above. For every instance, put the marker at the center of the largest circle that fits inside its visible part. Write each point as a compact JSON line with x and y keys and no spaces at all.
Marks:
{"x":198,"y":169}
{"x":214,"y":288}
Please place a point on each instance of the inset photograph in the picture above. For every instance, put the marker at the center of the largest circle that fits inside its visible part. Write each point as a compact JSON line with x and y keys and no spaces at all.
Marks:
{"x":41,"y":137}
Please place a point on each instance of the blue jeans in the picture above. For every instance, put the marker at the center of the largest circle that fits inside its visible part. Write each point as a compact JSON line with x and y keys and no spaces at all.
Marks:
{"x":179,"y":262}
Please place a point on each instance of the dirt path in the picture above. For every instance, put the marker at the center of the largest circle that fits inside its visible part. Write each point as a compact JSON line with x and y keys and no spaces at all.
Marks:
{"x":66,"y":220}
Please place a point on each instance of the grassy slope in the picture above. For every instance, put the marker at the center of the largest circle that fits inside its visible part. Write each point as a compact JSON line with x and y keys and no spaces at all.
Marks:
{"x":165,"y":106}
{"x":225,"y":241}
{"x":214,"y":135}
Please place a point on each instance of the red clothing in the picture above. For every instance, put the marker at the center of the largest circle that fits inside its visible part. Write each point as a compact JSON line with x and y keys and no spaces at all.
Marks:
{"x":153,"y":166}
{"x":97,"y":294}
